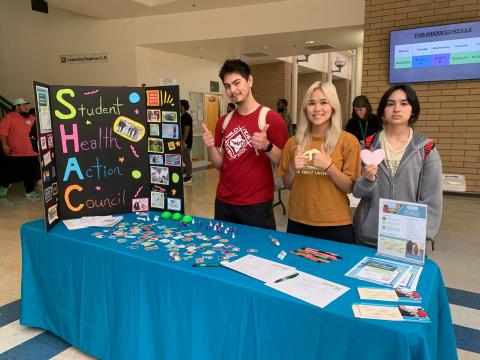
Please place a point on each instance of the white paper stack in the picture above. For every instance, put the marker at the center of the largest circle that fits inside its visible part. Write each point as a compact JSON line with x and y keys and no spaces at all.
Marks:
{"x":90,"y":221}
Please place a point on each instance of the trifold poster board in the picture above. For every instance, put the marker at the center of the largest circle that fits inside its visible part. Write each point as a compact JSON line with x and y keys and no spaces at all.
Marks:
{"x":402,"y":230}
{"x":109,"y":150}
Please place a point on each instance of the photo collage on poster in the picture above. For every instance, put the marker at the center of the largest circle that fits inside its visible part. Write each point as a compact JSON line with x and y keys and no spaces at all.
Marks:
{"x":164,"y":148}
{"x":109,"y":150}
{"x":46,"y":154}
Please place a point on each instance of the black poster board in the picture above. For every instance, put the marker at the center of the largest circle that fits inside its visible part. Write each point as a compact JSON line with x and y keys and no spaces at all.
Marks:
{"x":114,"y":150}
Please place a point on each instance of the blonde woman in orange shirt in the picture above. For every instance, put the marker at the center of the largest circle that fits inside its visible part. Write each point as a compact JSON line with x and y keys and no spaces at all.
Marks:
{"x":319,"y":165}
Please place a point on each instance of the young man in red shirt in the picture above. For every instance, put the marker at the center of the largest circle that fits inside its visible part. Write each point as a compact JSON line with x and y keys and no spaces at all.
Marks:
{"x":20,"y":158}
{"x":244,"y":153}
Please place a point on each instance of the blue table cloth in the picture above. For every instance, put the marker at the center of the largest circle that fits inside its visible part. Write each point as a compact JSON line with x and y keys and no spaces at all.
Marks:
{"x":114,"y":302}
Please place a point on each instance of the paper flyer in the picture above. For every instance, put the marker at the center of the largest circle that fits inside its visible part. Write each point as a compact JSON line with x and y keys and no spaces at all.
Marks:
{"x":402,"y":230}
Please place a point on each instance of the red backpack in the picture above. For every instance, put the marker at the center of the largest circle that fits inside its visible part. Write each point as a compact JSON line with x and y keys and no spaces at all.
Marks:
{"x":427,"y":148}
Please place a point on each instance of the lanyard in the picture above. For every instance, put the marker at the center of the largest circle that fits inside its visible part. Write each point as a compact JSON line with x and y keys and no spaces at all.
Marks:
{"x":363,"y":130}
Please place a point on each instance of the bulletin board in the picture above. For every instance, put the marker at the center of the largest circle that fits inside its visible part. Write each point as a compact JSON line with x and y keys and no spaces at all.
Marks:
{"x":109,"y":150}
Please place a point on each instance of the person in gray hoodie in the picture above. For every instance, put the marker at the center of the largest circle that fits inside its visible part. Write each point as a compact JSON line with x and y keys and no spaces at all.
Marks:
{"x":411,"y":170}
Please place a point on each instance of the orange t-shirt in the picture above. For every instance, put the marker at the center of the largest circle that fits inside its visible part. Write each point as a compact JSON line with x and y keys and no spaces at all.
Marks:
{"x":16,"y":129}
{"x":314,"y":198}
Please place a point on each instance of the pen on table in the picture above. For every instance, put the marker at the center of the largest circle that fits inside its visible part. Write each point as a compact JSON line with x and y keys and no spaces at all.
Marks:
{"x":287,"y":277}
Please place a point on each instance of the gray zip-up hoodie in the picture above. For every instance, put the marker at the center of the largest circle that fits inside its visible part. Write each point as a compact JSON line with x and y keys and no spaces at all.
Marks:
{"x":416,"y":180}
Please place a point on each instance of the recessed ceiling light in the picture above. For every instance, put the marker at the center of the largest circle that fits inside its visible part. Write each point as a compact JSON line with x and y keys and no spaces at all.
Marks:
{"x":309,"y":42}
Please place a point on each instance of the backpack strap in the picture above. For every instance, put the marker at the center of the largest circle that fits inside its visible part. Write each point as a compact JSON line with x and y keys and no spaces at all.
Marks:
{"x":427,"y":148}
{"x":227,"y":120}
{"x":262,"y":117}
{"x":368,"y":141}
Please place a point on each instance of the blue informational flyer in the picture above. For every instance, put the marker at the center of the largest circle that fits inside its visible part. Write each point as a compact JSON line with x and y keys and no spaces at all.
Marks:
{"x":387,"y":272}
{"x":402,"y":230}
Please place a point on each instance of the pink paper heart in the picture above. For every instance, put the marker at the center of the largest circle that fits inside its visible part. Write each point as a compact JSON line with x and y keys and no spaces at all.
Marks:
{"x":372,"y":158}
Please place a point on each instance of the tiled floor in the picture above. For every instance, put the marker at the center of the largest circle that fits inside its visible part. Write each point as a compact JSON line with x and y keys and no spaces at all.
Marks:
{"x":457,"y":251}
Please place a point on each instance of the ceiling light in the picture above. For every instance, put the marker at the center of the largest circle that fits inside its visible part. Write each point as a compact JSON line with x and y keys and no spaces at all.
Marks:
{"x":309,"y":42}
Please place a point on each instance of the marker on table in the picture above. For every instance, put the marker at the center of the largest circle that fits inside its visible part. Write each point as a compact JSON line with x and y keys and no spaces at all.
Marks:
{"x":287,"y":278}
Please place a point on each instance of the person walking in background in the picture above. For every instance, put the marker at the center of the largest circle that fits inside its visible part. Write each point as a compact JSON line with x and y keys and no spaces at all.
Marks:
{"x":319,"y":165}
{"x":362,"y":123}
{"x":411,"y":170}
{"x":282,"y":109}
{"x":187,"y":140}
{"x":20,"y":158}
{"x":243,"y":152}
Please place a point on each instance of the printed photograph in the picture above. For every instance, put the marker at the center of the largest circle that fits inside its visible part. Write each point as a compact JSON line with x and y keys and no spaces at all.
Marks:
{"x":47,"y":158}
{"x":170,"y":131}
{"x":129,"y":129}
{"x":155,"y":145}
{"x":140,"y":204}
{"x":413,"y":250}
{"x":52,"y":213}
{"x":43,"y":142}
{"x":169,"y":116}
{"x":173,"y":159}
{"x":153,"y":116}
{"x":154,"y":129}
{"x":47,"y":194}
{"x":174,"y":204}
{"x":54,"y":188}
{"x":50,"y":141}
{"x":157,"y":199}
{"x":46,"y":175}
{"x":156,"y":159}
{"x":159,"y":175}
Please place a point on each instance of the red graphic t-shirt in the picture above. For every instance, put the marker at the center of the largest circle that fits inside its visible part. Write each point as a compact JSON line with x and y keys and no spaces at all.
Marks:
{"x":245,"y":177}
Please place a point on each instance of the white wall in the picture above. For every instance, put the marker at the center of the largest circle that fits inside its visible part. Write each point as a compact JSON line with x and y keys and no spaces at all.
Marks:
{"x":190,"y":73}
{"x":31,"y":43}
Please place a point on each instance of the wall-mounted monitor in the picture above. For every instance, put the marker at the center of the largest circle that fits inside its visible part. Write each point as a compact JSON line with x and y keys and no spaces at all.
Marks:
{"x":447,"y":52}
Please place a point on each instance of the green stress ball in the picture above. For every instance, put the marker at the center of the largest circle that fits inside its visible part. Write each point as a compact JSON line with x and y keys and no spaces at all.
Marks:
{"x":166,"y":215}
{"x":176,"y":216}
{"x":187,"y":219}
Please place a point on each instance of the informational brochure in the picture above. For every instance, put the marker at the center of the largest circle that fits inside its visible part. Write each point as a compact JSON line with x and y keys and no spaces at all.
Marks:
{"x":89,"y":221}
{"x":386,"y":272}
{"x":402,"y":230}
{"x":309,"y":288}
{"x":394,"y":295}
{"x":260,"y":268}
{"x":390,"y":312}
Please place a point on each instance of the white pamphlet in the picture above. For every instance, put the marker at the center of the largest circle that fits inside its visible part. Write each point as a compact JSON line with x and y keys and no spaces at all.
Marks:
{"x":259,"y":268}
{"x":89,"y":221}
{"x":309,"y":288}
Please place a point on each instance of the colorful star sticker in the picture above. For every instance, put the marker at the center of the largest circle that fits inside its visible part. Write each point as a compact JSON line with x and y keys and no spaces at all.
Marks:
{"x":121,"y":159}
{"x":98,"y":188}
{"x":174,"y":192}
{"x":177,"y":143}
{"x":136,"y":111}
{"x":88,"y":122}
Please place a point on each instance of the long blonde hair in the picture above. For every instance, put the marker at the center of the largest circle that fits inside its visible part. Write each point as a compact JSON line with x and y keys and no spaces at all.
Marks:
{"x":304,"y":126}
